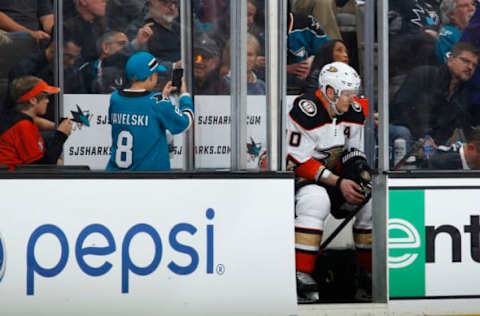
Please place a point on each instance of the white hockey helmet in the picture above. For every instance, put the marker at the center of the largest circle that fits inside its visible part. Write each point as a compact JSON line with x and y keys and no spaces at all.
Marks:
{"x":340,"y":77}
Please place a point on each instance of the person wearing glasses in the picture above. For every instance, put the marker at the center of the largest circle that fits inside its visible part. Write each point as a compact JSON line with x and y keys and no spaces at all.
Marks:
{"x":434,"y":100}
{"x":471,"y":34}
{"x":41,"y":64}
{"x":105,"y":74}
{"x":207,"y":79}
{"x":455,"y":16}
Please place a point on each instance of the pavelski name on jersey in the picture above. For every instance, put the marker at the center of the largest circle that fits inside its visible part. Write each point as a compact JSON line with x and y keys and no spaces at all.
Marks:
{"x":129,"y":119}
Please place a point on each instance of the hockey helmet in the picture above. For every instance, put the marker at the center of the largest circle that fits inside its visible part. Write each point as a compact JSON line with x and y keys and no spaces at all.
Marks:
{"x":339,"y":76}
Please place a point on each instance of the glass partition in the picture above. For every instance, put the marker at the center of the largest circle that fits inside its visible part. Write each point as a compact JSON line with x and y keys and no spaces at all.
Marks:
{"x":98,"y":38}
{"x":432,"y":100}
{"x":228,"y":71}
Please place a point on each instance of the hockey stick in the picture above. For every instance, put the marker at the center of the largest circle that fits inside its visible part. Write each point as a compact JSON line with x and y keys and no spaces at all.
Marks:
{"x":345,"y":222}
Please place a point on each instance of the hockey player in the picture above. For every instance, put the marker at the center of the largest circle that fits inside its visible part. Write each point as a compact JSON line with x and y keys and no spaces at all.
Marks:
{"x":140,"y":118}
{"x":325,"y":143}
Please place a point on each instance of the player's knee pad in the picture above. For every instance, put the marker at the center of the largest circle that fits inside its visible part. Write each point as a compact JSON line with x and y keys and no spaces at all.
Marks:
{"x":312,"y":207}
{"x":363,"y":219}
{"x":362,"y":227}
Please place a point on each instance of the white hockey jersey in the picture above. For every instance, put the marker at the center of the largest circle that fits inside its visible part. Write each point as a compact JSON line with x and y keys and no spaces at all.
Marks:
{"x":316,"y":140}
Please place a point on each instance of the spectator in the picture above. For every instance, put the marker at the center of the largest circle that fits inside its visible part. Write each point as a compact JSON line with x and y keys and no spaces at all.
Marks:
{"x":434,"y":99}
{"x":305,"y":37}
{"x":206,"y":76}
{"x":331,"y":51}
{"x":467,"y":157}
{"x":257,"y":30}
{"x":322,"y":128}
{"x":455,"y":17}
{"x":141,"y":117}
{"x":105,"y":74}
{"x":121,"y":13}
{"x":413,"y":26}
{"x":472,"y":34}
{"x":20,"y":139}
{"x":255,"y":86}
{"x":413,"y":16}
{"x":220,"y":29}
{"x":30,"y":16}
{"x":41,"y":63}
{"x":324,"y":11}
{"x":209,"y":11}
{"x":87,"y":26}
{"x":160,"y":34}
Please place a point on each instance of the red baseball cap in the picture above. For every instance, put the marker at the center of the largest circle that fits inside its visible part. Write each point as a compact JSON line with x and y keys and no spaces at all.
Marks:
{"x":40,"y":87}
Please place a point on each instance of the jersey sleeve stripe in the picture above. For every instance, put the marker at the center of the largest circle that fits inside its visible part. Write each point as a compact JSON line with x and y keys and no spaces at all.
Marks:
{"x":305,"y":128}
{"x":309,"y":169}
{"x":190,"y":117}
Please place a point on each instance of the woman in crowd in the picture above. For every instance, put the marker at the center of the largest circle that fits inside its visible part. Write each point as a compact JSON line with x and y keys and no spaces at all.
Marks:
{"x":331,"y":51}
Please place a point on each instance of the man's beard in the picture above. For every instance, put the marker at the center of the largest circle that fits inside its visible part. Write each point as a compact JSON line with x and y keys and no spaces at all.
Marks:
{"x":159,"y":17}
{"x":168,"y":18}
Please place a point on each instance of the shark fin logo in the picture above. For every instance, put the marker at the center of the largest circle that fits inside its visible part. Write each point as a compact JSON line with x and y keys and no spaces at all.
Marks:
{"x":81,"y":117}
{"x":3,"y":262}
{"x":254,"y":148}
{"x":257,"y":154}
{"x":410,"y":239}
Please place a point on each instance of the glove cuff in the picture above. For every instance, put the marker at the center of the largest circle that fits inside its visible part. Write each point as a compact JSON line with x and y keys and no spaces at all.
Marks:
{"x":339,"y":180}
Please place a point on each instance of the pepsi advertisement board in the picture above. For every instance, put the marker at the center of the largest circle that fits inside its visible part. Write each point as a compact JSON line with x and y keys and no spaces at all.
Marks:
{"x":147,"y":247}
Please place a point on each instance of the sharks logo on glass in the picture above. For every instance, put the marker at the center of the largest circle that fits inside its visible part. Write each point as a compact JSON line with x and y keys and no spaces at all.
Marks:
{"x":3,"y":263}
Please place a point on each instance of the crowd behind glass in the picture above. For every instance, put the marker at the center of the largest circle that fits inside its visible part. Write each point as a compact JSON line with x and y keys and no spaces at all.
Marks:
{"x":434,"y":86}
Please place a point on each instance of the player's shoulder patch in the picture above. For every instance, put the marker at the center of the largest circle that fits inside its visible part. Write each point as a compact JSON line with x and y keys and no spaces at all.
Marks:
{"x":356,"y":107}
{"x":308,"y":113}
{"x":354,"y":114}
{"x":308,"y":107}
{"x":158,"y":97}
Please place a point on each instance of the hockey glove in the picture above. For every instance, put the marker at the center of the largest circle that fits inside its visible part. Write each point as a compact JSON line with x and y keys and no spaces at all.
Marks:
{"x":356,"y":168}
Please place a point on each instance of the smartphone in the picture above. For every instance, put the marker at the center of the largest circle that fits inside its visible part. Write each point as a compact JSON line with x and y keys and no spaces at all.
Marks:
{"x":177,"y":75}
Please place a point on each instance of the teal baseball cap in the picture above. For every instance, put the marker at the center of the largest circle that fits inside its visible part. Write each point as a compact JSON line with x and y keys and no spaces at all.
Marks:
{"x":142,"y":65}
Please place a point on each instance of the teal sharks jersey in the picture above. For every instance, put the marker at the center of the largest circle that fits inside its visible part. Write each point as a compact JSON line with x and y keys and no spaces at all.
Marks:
{"x":139,"y":121}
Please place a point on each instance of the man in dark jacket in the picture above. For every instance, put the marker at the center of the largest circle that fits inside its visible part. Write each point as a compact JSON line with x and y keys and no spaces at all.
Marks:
{"x":472,"y":34}
{"x":87,"y":26}
{"x":435,"y":100}
{"x":40,"y":64}
{"x":206,"y":77}
{"x":162,"y":31}
{"x":466,"y":157}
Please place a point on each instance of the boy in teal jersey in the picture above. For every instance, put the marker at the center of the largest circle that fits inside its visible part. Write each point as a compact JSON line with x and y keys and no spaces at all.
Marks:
{"x":140,"y":118}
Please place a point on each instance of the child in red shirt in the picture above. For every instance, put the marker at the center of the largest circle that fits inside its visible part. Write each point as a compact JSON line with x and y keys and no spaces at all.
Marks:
{"x":20,"y":139}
